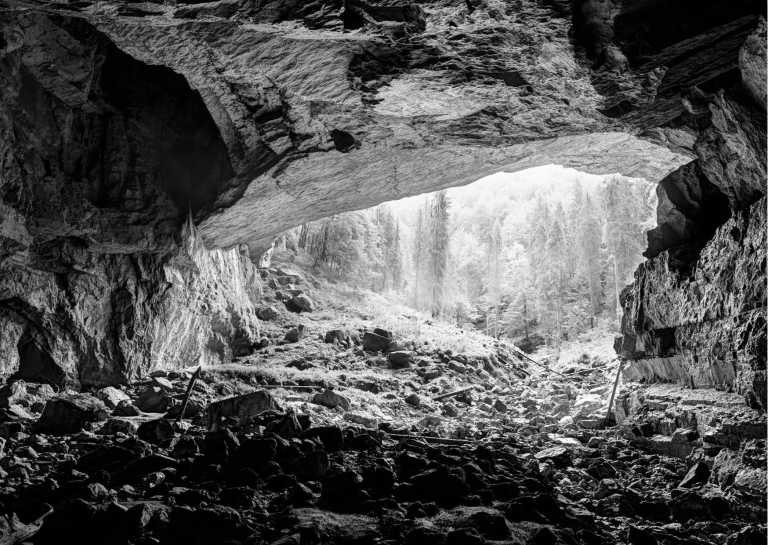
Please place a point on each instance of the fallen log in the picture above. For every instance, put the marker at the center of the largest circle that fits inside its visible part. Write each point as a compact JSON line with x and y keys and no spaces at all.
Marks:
{"x":454,"y":393}
{"x":441,"y":440}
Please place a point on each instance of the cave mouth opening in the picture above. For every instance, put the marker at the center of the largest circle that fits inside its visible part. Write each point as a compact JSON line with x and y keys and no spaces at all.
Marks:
{"x":538,"y":256}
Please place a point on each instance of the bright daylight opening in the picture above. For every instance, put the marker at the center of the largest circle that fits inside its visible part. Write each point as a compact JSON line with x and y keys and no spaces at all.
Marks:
{"x":537,"y":258}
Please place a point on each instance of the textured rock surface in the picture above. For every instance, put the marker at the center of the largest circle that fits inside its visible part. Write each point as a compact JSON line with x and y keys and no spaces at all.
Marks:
{"x":707,"y":330}
{"x":696,"y":313}
{"x":118,"y":119}
{"x":115,"y":317}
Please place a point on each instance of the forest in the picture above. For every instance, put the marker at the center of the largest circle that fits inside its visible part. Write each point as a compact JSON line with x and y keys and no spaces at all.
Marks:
{"x":537,"y":257}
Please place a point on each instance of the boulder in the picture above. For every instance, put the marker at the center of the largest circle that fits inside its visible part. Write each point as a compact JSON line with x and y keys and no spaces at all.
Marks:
{"x":441,"y":485}
{"x":378,"y":340}
{"x":24,"y":394}
{"x":154,"y":399}
{"x":295,"y":334}
{"x":697,"y":475}
{"x":343,"y":491}
{"x":332,"y":437}
{"x":112,"y":396}
{"x":300,"y":303}
{"x":163,"y":382}
{"x":158,"y":432}
{"x":126,"y":408}
{"x":195,"y":407}
{"x":289,"y":276}
{"x":118,"y":425}
{"x":68,"y":413}
{"x":560,"y":456}
{"x":401,"y":359}
{"x":362,"y":420}
{"x":242,"y":408}
{"x":267,"y":313}
{"x":339,"y":336}
{"x":331,"y":399}
{"x":413,"y":400}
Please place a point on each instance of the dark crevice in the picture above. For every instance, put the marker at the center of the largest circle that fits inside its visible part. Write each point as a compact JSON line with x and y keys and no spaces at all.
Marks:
{"x":144,"y":137}
{"x":36,"y":363}
{"x":168,"y":128}
{"x":641,"y":32}
{"x":693,"y":208}
{"x":343,"y":141}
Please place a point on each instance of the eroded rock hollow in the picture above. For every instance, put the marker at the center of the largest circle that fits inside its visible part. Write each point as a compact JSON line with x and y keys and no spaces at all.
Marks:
{"x":149,"y":151}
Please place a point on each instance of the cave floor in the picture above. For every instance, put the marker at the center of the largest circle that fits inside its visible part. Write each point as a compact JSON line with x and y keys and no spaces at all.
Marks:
{"x":348,"y":445}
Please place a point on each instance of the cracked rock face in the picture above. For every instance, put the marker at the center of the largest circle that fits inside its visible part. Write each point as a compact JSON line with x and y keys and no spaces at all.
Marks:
{"x":120,"y":119}
{"x":696,"y":313}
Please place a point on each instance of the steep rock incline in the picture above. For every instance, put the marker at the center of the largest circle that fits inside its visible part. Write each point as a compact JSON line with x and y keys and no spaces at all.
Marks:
{"x":118,"y":119}
{"x":696,"y":313}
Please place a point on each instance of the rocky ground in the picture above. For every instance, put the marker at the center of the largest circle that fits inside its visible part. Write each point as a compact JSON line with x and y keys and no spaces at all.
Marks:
{"x":334,"y":430}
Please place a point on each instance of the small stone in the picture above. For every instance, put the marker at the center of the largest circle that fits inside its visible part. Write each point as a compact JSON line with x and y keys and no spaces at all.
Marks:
{"x":379,"y":340}
{"x":400,"y":359}
{"x":126,"y":408}
{"x":112,"y":396}
{"x":295,"y":334}
{"x":560,"y":456}
{"x":450,"y":410}
{"x":331,"y":399}
{"x":300,"y":303}
{"x":186,"y":447}
{"x":697,"y":475}
{"x":365,"y":421}
{"x":118,"y":425}
{"x":267,"y":313}
{"x":194,"y":407}
{"x":332,"y":437}
{"x":500,"y":406}
{"x":338,"y":336}
{"x":154,"y":399}
{"x":595,"y":442}
{"x":413,"y":400}
{"x":163,"y":382}
{"x":158,"y":432}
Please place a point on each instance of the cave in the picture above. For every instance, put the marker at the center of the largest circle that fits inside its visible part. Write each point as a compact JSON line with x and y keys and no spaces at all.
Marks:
{"x":257,"y":284}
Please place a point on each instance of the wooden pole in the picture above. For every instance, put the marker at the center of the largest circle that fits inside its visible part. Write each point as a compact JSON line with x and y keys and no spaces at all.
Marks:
{"x":613,"y":393}
{"x":188,"y":393}
{"x":451,"y":394}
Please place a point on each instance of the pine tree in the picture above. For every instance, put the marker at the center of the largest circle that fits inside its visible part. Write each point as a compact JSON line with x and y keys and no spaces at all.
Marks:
{"x":439,"y":251}
{"x":493,"y":282}
{"x":419,"y":258}
{"x":588,"y":242}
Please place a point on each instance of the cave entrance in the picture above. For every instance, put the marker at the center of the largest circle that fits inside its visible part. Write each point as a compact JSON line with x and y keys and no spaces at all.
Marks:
{"x":537,"y":257}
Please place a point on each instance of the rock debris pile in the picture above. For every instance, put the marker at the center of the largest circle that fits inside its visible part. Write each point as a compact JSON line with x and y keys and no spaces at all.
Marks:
{"x":371,"y":453}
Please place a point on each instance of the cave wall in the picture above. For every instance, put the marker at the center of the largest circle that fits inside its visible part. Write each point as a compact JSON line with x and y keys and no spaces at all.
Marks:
{"x":121,"y":120}
{"x":696,"y":312}
{"x":118,"y":316}
{"x":102,"y":158}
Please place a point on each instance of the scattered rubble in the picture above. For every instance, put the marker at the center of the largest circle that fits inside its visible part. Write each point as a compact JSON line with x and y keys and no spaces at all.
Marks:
{"x":318,"y":441}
